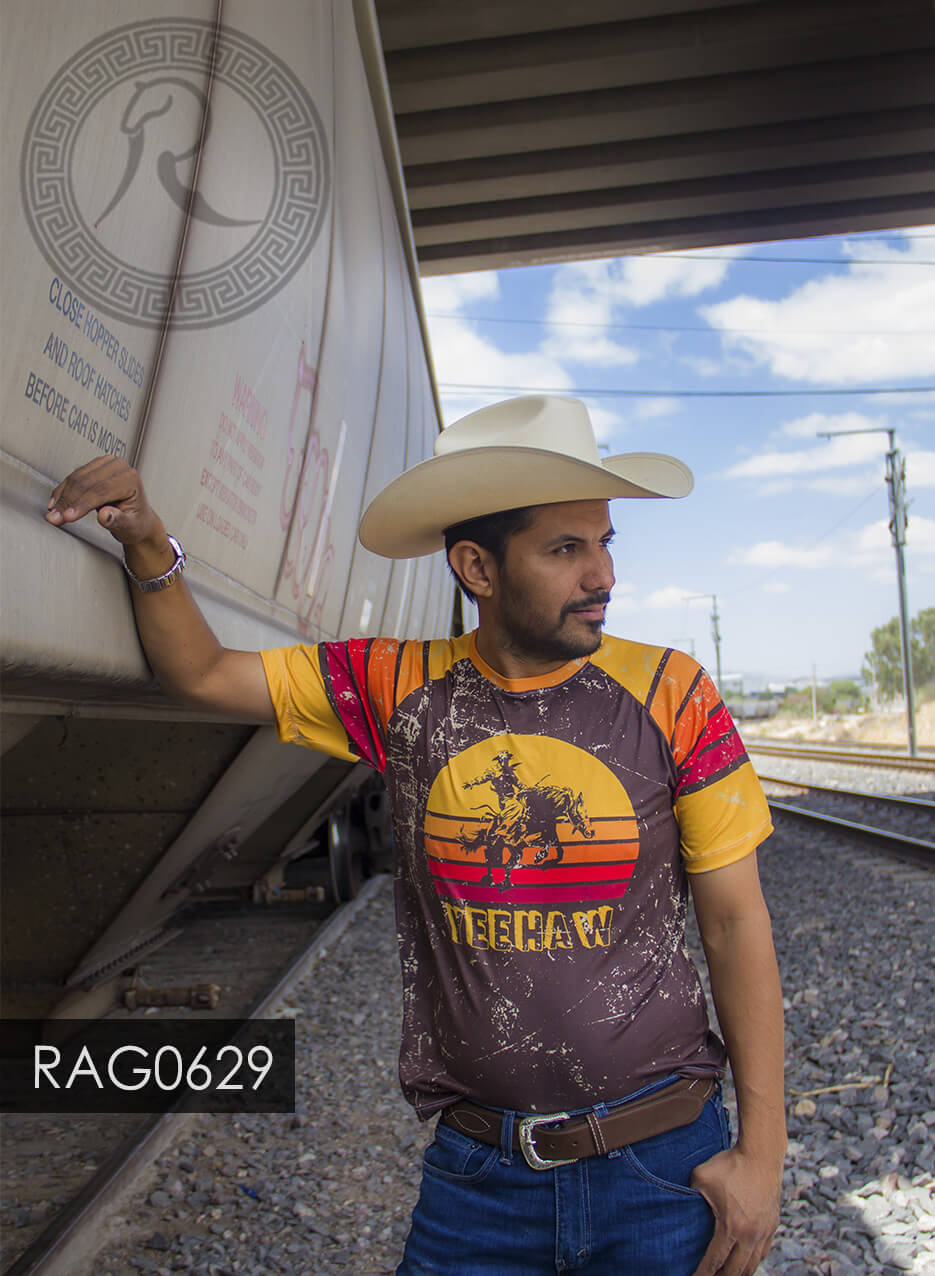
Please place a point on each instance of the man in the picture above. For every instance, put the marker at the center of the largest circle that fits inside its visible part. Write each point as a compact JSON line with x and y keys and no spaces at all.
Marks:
{"x":551,"y":788}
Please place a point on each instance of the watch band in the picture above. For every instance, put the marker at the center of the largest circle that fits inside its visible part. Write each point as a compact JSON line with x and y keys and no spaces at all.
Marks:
{"x":155,"y":583}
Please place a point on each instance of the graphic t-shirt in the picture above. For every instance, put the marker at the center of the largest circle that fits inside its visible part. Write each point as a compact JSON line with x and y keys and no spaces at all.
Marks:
{"x":544,"y":828}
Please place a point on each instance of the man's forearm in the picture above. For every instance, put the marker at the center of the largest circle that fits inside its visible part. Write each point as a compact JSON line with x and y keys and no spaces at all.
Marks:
{"x":177,"y":639}
{"x":179,"y":643}
{"x":748,"y":998}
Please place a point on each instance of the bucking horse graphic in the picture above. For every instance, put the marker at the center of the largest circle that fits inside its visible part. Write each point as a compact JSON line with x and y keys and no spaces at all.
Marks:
{"x":528,"y":816}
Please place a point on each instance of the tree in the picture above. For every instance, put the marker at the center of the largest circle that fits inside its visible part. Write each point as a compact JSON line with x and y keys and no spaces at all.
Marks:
{"x":923,"y":646}
{"x":883,"y":662}
{"x":845,"y":695}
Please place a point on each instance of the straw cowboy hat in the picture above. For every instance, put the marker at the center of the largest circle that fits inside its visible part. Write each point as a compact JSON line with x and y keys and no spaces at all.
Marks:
{"x":529,"y":451}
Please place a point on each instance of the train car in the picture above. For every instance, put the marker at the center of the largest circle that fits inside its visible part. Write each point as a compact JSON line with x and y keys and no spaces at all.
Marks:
{"x":208,"y":270}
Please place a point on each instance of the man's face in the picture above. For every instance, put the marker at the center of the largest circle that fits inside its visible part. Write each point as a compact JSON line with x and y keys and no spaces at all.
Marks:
{"x":555,"y":583}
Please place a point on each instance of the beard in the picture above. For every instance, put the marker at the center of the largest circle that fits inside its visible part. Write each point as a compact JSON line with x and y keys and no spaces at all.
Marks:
{"x":528,"y":632}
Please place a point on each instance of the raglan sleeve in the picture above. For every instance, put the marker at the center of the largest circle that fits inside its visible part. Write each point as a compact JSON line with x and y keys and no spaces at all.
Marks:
{"x":332,"y":696}
{"x":720,"y":806}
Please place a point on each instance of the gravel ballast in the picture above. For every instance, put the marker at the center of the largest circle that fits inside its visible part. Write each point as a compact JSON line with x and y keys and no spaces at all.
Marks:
{"x":330,"y":1189}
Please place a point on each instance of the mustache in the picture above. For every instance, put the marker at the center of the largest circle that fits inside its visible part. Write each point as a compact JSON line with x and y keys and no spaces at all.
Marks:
{"x":600,"y":599}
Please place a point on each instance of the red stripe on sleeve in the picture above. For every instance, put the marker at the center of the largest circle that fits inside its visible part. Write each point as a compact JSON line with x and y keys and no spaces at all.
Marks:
{"x":349,"y":705}
{"x":715,"y":756}
{"x":358,"y":650}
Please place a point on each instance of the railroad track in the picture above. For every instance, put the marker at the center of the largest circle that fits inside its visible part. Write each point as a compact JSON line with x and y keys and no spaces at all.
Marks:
{"x":72,"y":1235}
{"x":856,"y":757}
{"x":917,"y":845}
{"x":908,"y":805}
{"x":924,"y":750}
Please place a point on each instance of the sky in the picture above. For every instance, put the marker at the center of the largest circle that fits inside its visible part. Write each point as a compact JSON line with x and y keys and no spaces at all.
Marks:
{"x":725,"y":358}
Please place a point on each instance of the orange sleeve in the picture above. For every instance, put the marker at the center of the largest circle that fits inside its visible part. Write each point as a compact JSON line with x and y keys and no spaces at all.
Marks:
{"x":304,"y":714}
{"x":722,"y":812}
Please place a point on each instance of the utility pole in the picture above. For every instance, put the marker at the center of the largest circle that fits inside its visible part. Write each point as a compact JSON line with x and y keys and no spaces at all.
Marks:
{"x":896,"y":490}
{"x":715,"y":631}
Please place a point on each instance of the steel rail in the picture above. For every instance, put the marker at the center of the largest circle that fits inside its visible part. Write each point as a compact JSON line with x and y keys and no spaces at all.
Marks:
{"x":927,"y":750}
{"x":893,"y":761}
{"x":897,"y":802}
{"x":913,"y":848}
{"x":73,"y":1235}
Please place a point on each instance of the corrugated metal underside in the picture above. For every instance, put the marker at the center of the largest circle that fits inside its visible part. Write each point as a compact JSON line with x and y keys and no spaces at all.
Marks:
{"x":542,"y":130}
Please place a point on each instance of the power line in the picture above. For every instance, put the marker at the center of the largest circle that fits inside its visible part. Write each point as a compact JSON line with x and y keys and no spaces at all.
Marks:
{"x":761,"y":580}
{"x":463,"y":388}
{"x":905,"y":260}
{"x":706,"y":328}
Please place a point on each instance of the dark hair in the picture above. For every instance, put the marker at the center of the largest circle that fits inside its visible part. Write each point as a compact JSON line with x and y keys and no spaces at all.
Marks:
{"x":491,"y":532}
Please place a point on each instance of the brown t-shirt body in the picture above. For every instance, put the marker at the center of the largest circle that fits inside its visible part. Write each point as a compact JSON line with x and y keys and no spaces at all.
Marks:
{"x":544,"y":828}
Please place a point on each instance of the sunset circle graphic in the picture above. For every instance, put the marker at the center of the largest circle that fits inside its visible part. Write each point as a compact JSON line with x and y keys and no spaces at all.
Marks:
{"x":528,"y":819}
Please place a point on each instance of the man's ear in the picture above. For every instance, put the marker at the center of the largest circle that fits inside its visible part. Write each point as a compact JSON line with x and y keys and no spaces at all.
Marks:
{"x":474,"y":566}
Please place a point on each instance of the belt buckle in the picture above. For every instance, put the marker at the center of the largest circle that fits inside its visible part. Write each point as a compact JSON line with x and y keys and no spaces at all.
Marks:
{"x":526,"y":1127}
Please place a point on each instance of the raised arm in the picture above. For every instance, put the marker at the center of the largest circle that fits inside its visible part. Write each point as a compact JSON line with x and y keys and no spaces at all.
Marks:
{"x":184,"y":653}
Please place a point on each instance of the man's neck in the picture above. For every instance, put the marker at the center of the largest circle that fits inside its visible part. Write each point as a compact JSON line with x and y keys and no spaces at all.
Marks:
{"x":507,"y":661}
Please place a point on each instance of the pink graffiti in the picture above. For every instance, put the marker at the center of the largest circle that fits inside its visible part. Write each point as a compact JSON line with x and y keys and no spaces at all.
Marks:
{"x":306,"y":379}
{"x":310,"y":495}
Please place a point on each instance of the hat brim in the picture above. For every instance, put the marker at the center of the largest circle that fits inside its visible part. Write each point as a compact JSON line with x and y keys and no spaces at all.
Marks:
{"x":408,"y":518}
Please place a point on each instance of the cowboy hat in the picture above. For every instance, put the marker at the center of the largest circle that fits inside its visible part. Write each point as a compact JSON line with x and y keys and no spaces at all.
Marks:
{"x":535,"y":450}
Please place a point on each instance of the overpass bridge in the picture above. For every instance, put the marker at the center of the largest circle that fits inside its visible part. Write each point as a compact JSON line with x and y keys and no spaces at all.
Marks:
{"x":536,"y":131}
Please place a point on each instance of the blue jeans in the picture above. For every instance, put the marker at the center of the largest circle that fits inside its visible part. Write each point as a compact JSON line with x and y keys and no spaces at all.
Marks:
{"x":482,"y":1211}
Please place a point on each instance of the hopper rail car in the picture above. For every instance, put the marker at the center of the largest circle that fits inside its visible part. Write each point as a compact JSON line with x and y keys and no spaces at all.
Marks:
{"x":54,"y":1203}
{"x":233,"y":305}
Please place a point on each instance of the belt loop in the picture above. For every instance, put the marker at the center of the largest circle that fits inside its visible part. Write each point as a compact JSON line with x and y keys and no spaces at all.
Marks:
{"x":506,"y":1138}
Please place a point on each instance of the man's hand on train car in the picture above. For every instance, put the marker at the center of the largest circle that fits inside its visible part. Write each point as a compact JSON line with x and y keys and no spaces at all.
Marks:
{"x":184,"y":653}
{"x":115,"y":491}
{"x":112,"y":488}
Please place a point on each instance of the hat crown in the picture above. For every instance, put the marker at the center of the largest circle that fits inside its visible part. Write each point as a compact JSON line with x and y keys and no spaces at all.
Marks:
{"x":540,"y":421}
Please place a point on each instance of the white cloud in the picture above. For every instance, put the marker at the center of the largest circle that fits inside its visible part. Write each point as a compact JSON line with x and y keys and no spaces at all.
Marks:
{"x":666,"y":598}
{"x":920,"y":469}
{"x":677,"y":596}
{"x":815,"y":423}
{"x":657,"y":276}
{"x":914,"y":410}
{"x":859,"y":483}
{"x":779,"y":554}
{"x":872,"y":322}
{"x":704,"y":366}
{"x":588,"y":296}
{"x":832,"y":454}
{"x":776,"y":587}
{"x":445,"y":293}
{"x":848,"y":465}
{"x":607,"y":423}
{"x":652,"y":409}
{"x":867,"y":550}
{"x":462,"y":356}
{"x":874,"y":543}
{"x":580,"y":305}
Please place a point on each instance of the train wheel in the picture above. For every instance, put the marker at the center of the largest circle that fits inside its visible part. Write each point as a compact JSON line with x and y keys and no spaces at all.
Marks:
{"x":379,"y":825}
{"x":347,"y":847}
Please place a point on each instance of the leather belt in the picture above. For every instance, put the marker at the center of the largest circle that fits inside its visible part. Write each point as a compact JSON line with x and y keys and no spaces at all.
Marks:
{"x":545,"y":1143}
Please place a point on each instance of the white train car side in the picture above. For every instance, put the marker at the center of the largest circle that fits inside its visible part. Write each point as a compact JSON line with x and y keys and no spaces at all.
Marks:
{"x":208,"y":270}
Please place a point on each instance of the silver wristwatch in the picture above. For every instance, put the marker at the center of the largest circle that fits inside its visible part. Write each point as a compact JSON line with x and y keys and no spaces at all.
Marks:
{"x":154,"y":583}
